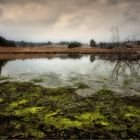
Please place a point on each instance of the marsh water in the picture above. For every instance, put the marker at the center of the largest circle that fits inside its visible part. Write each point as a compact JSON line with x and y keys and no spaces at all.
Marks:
{"x":97,"y":72}
{"x":70,"y":97}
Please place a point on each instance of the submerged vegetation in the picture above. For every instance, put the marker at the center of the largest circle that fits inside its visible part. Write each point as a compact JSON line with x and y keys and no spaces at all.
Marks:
{"x":81,"y":85}
{"x":31,"y":111}
{"x":37,"y":80}
{"x":3,"y":78}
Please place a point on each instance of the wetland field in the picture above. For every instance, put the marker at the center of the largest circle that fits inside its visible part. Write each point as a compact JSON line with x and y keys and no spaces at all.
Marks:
{"x":70,"y":96}
{"x":69,"y":69}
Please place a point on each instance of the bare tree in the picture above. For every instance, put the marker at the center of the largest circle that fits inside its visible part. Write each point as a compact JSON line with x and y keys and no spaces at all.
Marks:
{"x":115,"y":37}
{"x":134,"y":37}
{"x":115,"y":34}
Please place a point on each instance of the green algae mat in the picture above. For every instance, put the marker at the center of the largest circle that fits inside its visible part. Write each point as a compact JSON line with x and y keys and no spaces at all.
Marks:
{"x":30,"y":111}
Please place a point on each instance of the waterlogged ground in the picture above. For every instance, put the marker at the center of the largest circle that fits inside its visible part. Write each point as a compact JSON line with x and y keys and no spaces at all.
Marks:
{"x":29,"y":111}
{"x":89,"y":98}
{"x":120,"y":76}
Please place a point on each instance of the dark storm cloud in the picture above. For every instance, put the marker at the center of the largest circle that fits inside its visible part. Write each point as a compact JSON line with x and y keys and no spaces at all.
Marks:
{"x":68,"y":19}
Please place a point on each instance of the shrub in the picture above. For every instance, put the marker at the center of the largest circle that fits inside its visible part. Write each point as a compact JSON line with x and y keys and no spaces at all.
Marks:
{"x":92,"y":43}
{"x":74,"y":45}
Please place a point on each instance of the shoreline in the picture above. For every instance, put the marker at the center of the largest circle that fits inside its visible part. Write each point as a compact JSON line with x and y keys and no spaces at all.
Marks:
{"x":107,"y":56}
{"x":63,"y":50}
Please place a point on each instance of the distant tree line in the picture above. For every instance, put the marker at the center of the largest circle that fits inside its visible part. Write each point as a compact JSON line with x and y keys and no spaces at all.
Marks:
{"x":7,"y":43}
{"x":105,"y":45}
{"x":110,"y":45}
{"x":74,"y":44}
{"x":32,"y":44}
{"x":4,"y":42}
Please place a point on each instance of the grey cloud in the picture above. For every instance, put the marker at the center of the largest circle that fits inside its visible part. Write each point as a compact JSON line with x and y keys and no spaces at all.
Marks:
{"x":1,"y":11}
{"x":71,"y":16}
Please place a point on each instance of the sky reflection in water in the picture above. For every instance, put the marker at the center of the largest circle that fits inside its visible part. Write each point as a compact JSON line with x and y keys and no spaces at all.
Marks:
{"x":121,"y":76}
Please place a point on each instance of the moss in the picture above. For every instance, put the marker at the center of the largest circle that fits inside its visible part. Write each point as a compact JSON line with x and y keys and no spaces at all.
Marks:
{"x":1,"y":100}
{"x":81,"y":85}
{"x":132,"y":111}
{"x":16,"y":104}
{"x":127,"y":82}
{"x":61,"y":122}
{"x":90,"y":116}
{"x":31,"y":111}
{"x":105,"y":92}
{"x":34,"y":132}
{"x":8,"y":87}
{"x":26,"y":111}
{"x":59,"y":91}
{"x":117,"y":127}
{"x":16,"y":124}
{"x":2,"y":78}
{"x":37,"y":80}
{"x":81,"y":120}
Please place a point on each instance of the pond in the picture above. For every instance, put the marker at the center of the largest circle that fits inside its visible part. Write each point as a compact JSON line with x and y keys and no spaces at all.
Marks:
{"x":92,"y":71}
{"x":70,"y":97}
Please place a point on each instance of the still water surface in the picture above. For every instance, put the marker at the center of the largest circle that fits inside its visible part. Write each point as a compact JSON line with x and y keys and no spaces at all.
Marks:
{"x":121,"y":76}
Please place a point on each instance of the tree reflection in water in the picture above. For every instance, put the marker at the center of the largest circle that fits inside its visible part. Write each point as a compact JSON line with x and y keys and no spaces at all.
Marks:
{"x":125,"y":65}
{"x":92,"y":58}
{"x":2,"y":63}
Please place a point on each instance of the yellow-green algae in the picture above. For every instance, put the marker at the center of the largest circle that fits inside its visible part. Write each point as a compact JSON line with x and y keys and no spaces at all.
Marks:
{"x":132,"y":111}
{"x":1,"y":100}
{"x":16,"y":104}
{"x":31,"y":111}
{"x":61,"y":122}
{"x":91,"y":118}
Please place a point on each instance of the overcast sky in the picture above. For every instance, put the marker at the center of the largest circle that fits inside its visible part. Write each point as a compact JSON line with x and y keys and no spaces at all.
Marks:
{"x":55,"y":20}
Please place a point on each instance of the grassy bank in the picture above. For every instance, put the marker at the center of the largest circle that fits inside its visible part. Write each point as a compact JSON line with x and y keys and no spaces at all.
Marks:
{"x":65,"y":50}
{"x":31,"y":111}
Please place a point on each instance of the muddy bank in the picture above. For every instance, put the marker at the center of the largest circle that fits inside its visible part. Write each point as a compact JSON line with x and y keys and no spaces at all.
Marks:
{"x":26,"y":56}
{"x":31,"y":111}
{"x":109,"y":56}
